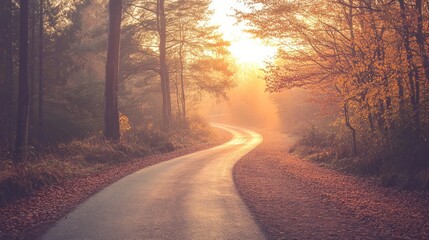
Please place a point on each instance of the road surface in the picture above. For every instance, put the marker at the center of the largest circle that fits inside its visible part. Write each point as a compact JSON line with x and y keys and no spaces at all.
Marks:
{"x":190,"y":197}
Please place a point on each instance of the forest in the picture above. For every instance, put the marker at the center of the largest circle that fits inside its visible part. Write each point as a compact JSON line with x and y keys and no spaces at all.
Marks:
{"x":63,"y":93}
{"x":365,"y":65}
{"x":94,"y":88}
{"x":358,"y":70}
{"x":349,"y":79}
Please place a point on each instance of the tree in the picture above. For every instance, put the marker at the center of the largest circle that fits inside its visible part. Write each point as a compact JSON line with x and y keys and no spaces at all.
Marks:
{"x":199,"y":54}
{"x":111,"y":117}
{"x":371,"y":55}
{"x":163,"y":69}
{"x":41,"y":73}
{"x":7,"y":111}
{"x":21,"y":140}
{"x":421,"y":37}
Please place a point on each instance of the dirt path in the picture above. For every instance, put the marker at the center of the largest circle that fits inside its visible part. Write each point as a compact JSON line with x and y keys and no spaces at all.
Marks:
{"x":292,"y":198}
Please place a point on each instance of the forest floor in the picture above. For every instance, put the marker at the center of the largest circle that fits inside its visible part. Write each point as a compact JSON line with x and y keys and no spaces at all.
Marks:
{"x":293,"y":198}
{"x":30,"y":216}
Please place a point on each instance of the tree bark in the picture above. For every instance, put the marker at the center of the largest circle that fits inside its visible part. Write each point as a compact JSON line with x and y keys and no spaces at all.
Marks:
{"x":421,"y":39}
{"x":348,"y":124}
{"x":176,"y":86}
{"x":21,"y":140}
{"x":31,"y":63}
{"x":353,"y":48}
{"x":41,"y":72}
{"x":182,"y":80}
{"x":111,"y":117}
{"x":413,"y":76}
{"x":165,"y":82}
{"x":6,"y":104}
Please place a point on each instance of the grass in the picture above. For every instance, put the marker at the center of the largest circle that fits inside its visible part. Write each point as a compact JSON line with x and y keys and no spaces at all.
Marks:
{"x":93,"y":154}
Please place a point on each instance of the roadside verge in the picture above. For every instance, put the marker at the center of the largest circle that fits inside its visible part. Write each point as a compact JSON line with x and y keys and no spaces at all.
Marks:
{"x":292,"y":198}
{"x":29,"y":217}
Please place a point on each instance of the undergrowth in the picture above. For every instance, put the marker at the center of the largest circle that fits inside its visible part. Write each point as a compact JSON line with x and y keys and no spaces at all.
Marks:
{"x":405,"y":166}
{"x":76,"y":158}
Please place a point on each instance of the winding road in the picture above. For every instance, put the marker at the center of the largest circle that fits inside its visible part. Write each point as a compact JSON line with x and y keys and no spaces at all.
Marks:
{"x":190,"y":197}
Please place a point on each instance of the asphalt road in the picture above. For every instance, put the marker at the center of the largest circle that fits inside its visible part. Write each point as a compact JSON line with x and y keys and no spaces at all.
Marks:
{"x":190,"y":197}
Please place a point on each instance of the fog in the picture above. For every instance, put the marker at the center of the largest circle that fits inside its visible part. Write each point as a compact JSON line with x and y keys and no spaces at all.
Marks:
{"x":248,"y":104}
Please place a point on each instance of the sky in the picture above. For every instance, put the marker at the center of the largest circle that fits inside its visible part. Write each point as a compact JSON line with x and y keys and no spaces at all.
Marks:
{"x":248,"y":102}
{"x":244,"y":47}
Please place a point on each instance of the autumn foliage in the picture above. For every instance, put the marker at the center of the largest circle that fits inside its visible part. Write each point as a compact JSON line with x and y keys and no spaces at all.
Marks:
{"x":371,"y":59}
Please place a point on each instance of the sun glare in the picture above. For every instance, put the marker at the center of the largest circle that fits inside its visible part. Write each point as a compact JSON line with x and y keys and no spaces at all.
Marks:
{"x":244,"y":48}
{"x":251,"y":51}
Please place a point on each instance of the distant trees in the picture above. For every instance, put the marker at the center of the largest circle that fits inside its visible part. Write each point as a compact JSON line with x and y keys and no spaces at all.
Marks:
{"x":371,"y":55}
{"x":111,"y":117}
{"x":189,"y":43}
{"x":200,"y":55}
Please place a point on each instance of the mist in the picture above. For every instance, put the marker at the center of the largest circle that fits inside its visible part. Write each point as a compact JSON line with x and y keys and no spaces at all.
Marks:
{"x":248,"y":104}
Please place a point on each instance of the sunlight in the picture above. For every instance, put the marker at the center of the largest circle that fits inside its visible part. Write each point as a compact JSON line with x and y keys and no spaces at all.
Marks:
{"x":251,"y":51}
{"x":244,"y":48}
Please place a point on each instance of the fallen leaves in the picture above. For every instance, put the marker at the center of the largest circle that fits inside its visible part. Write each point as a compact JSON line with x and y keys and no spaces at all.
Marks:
{"x":297,"y":199}
{"x":29,"y":217}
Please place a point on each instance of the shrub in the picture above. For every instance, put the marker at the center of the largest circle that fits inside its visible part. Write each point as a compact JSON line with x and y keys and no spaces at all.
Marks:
{"x":401,"y":162}
{"x":80,"y":157}
{"x":314,"y":137}
{"x":25,"y":178}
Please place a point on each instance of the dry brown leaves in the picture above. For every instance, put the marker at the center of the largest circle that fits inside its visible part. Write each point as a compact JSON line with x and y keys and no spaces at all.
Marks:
{"x":29,"y":217}
{"x":296,"y":199}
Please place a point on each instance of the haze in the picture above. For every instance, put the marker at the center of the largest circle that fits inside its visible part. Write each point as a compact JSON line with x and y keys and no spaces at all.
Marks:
{"x":214,"y":119}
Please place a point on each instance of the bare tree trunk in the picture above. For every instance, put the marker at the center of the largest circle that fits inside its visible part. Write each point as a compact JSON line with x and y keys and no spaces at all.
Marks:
{"x":165,"y":82}
{"x":353,"y":48}
{"x":412,"y":69}
{"x":416,"y":106}
{"x":182,"y":80}
{"x":41,"y":77}
{"x":348,"y":124}
{"x":6,"y":96}
{"x":176,"y":86}
{"x":351,"y":29}
{"x":31,"y":64}
{"x":21,"y":140}
{"x":421,"y":38}
{"x":111,"y":117}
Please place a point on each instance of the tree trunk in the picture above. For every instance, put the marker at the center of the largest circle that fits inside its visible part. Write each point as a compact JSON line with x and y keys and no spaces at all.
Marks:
{"x":21,"y":139}
{"x":176,"y":86}
{"x":406,"y":38}
{"x":421,"y":39}
{"x":165,"y":82}
{"x":400,"y":97}
{"x":413,"y":76}
{"x":31,"y":63}
{"x":41,"y":77}
{"x":351,"y":29}
{"x":182,"y":80}
{"x":353,"y":49}
{"x":6,"y":98}
{"x":348,"y":124}
{"x":111,"y":117}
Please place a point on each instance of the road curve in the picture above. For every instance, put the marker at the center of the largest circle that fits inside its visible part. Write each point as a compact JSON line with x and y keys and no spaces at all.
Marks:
{"x":190,"y":197}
